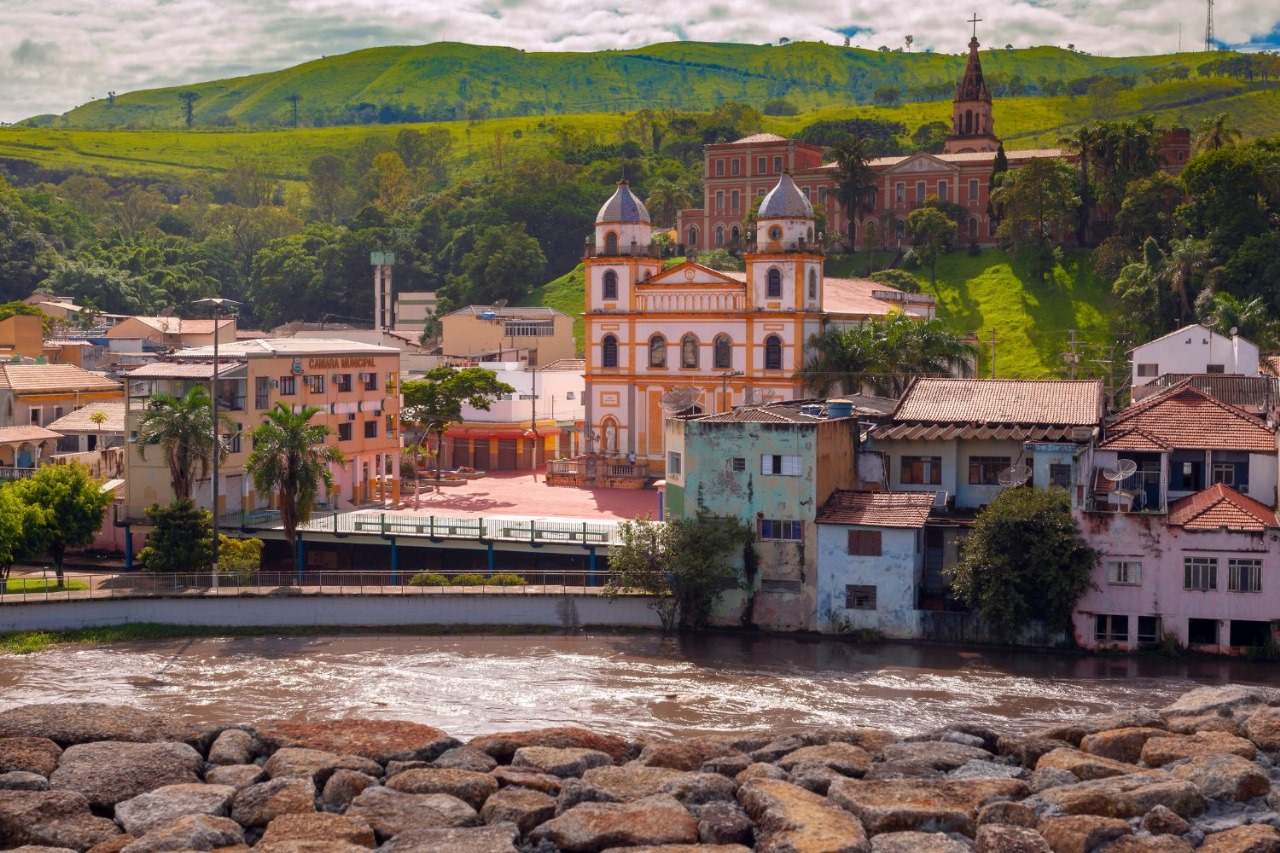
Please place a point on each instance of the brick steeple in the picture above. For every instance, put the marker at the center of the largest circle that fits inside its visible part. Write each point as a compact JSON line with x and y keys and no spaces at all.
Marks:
{"x":972,"y":126}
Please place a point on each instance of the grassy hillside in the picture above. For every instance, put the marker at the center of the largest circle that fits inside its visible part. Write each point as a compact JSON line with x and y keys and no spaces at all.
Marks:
{"x":992,"y":291}
{"x":451,"y":80}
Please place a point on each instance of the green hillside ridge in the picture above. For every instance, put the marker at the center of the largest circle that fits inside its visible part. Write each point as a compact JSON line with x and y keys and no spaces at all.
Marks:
{"x":993,"y":290}
{"x":470,"y":80}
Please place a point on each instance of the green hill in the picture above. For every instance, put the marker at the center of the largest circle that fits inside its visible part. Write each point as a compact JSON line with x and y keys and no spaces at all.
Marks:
{"x":1031,"y":319}
{"x":451,"y":81}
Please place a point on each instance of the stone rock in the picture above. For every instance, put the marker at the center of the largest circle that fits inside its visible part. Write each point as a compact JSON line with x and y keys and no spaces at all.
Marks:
{"x":464,"y":758}
{"x":918,"y":842}
{"x":1158,"y":751}
{"x":921,"y":805}
{"x":190,"y":832}
{"x":987,"y":770}
{"x":576,"y":791}
{"x":771,"y":752}
{"x":789,"y":818}
{"x":236,"y":775}
{"x":260,"y":804}
{"x":343,"y":787}
{"x":725,"y":823}
{"x":952,"y":736}
{"x":1254,"y":838}
{"x":1211,"y":723}
{"x":21,"y":780}
{"x":526,"y":777}
{"x":1263,"y":728}
{"x":1147,"y":844}
{"x":524,"y":807}
{"x":304,"y":845}
{"x":935,"y":754}
{"x":84,"y":722}
{"x":391,"y":812}
{"x":1028,"y":748}
{"x":499,"y":838}
{"x":1081,"y":833}
{"x":631,"y":782}
{"x":874,"y":741}
{"x":1043,"y":780}
{"x":592,"y":827}
{"x":813,"y":777}
{"x":682,"y":848}
{"x":903,"y":770}
{"x":394,"y":768}
{"x":316,"y":764}
{"x":1135,"y":718}
{"x":40,"y":848}
{"x":1162,"y":820}
{"x":470,"y":787}
{"x":1014,"y":814}
{"x":503,"y":745}
{"x":689,"y":754}
{"x":730,"y":764}
{"x":760,"y":770}
{"x":1123,"y":796}
{"x":52,"y":819}
{"x":563,"y":762}
{"x":148,"y":811}
{"x":29,"y":754}
{"x":1083,"y":766}
{"x":1120,"y":744}
{"x":1222,"y":700}
{"x":377,"y":740}
{"x":108,"y":773}
{"x":233,"y":746}
{"x":1223,"y":777}
{"x":697,"y":789}
{"x":114,"y":844}
{"x":320,"y":827}
{"x":1002,"y":838}
{"x":844,"y":758}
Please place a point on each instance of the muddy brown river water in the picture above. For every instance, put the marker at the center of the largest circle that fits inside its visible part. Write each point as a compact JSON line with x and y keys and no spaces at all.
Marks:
{"x":630,"y":685}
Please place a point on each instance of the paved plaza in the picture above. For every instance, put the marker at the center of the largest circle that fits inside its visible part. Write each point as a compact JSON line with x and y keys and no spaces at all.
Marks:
{"x":525,"y":493}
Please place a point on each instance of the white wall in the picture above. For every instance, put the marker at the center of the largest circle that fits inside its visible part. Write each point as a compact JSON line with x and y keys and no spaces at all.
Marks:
{"x":894,"y":574}
{"x":553,"y":383}
{"x":1190,"y":350}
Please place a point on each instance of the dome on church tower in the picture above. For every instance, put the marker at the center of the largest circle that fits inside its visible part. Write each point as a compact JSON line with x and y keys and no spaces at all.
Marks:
{"x":785,"y":201}
{"x":623,"y":207}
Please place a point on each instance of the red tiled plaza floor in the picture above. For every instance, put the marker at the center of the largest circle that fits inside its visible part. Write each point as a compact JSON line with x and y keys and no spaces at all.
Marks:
{"x":526,"y":493}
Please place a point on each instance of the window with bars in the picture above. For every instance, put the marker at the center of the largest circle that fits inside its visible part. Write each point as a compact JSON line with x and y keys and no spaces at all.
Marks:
{"x":773,"y":284}
{"x":773,"y":353}
{"x":1200,"y":573}
{"x":773,"y":528}
{"x":782,"y":464}
{"x":342,"y":382}
{"x":370,"y":429}
{"x":859,"y":597}
{"x":315,"y":384}
{"x":1150,"y":630}
{"x":261,"y":393}
{"x":864,"y":543}
{"x":1124,"y":572}
{"x":1108,"y":628}
{"x":674,"y":462}
{"x":610,"y":284}
{"x":1244,"y":575}
{"x":985,"y":470}
{"x":609,"y":351}
{"x":369,"y":381}
{"x":288,"y":386}
{"x":922,"y":470}
{"x":738,"y":464}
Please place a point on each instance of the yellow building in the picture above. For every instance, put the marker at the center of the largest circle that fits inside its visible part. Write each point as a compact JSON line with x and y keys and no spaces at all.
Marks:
{"x":356,"y":387}
{"x":534,"y":336}
{"x":36,"y":394}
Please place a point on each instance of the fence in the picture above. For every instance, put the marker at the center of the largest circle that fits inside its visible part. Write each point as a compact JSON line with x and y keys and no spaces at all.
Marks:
{"x":502,"y":529}
{"x":35,"y":588}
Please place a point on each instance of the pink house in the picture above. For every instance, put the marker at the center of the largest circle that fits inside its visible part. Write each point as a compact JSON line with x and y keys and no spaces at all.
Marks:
{"x":1185,"y":551}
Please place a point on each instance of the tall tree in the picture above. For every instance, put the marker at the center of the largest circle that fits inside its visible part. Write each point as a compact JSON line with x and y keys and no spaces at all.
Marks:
{"x":293,"y":103}
{"x":436,"y":401}
{"x":1217,"y":132}
{"x":666,"y":199}
{"x":331,"y":197}
{"x":855,"y":180}
{"x":1039,"y":202}
{"x":932,"y":232}
{"x":1083,"y":141}
{"x":66,"y":508}
{"x":884,"y":355}
{"x":291,"y":460}
{"x":183,"y":428}
{"x":13,"y":523}
{"x":189,"y":105}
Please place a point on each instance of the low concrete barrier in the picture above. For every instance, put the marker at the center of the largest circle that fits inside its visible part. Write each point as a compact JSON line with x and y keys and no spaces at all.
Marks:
{"x":560,"y":611}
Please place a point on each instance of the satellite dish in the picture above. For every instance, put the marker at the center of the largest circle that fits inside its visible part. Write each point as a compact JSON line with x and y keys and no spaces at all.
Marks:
{"x":501,"y":303}
{"x":1234,"y":331}
{"x":1122,"y":470}
{"x":680,"y":399}
{"x":1014,"y":475}
{"x":760,"y":396}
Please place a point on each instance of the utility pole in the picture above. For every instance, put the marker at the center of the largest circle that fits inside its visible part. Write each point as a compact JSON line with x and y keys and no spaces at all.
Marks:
{"x":993,"y":353}
{"x":1071,"y":357}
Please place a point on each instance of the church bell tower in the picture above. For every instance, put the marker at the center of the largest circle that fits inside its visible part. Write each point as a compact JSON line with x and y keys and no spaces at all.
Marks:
{"x":972,"y":127}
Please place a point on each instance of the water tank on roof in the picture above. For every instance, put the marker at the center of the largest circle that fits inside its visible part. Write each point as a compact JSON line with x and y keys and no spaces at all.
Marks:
{"x":488,"y":314}
{"x":839,"y":408}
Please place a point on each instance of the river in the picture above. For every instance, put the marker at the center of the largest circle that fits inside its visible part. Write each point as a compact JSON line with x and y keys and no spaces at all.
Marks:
{"x":631,"y":685}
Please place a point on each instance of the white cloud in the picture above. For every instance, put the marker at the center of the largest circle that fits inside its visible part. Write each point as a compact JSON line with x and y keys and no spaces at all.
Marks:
{"x":55,"y":54}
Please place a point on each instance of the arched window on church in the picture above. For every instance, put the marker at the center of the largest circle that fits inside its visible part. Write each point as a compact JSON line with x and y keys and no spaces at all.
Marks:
{"x":734,"y":233}
{"x":813,"y":283}
{"x":611,"y":244}
{"x":773,"y":353}
{"x":968,"y":122}
{"x":657,"y":351}
{"x":723,"y":353}
{"x":609,"y":351}
{"x":719,"y":235}
{"x":773,"y":284}
{"x":688,"y":351}
{"x":610,"y":285}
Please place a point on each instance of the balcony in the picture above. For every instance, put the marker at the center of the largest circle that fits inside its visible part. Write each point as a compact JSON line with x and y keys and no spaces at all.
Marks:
{"x":623,"y":250}
{"x":1141,"y":492}
{"x":687,"y":303}
{"x":773,"y":247}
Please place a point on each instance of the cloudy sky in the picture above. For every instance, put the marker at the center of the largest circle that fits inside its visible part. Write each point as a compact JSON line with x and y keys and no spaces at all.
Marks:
{"x":57,"y":54}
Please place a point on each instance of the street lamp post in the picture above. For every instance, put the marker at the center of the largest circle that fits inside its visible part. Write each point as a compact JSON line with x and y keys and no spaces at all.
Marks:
{"x":217,"y":303}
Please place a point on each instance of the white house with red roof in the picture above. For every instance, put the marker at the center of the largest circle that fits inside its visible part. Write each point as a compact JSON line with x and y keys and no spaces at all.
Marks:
{"x":1179,"y":499}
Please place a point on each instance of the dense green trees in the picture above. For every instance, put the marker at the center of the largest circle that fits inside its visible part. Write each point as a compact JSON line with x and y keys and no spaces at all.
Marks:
{"x":181,"y":539}
{"x":1038,"y":204}
{"x":65,"y":507}
{"x":182,"y":428}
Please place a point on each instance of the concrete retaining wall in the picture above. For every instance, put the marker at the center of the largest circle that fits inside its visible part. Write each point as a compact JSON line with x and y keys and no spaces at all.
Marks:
{"x":561,"y":611}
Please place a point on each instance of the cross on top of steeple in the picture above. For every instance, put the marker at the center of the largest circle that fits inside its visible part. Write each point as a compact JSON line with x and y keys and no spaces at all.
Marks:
{"x":974,"y":20}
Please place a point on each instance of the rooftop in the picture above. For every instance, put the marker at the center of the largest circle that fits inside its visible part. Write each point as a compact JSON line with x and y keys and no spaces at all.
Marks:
{"x":179,"y":326}
{"x":969,"y":157}
{"x":623,"y":206}
{"x":759,"y":137}
{"x":267,"y":347}
{"x":1255,"y":394}
{"x":1221,"y":508}
{"x":52,"y":377}
{"x":1002,"y":401}
{"x":876,"y":509}
{"x":568,"y":365}
{"x":1186,"y":417}
{"x":22,"y":434}
{"x":183,"y":369}
{"x":81,"y":420}
{"x":532,"y":312}
{"x":785,"y":201}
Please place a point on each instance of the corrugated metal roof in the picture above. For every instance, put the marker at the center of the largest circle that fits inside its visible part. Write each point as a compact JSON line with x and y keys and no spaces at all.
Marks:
{"x":1253,"y":393}
{"x":1219,"y":507}
{"x":877,"y":509}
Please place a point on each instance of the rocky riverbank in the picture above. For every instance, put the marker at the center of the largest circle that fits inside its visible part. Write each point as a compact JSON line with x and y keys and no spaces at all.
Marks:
{"x":1197,"y":775}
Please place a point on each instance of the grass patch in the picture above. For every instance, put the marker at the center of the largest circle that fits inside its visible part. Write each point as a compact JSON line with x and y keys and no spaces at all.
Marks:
{"x":566,"y":294}
{"x":41,"y":585}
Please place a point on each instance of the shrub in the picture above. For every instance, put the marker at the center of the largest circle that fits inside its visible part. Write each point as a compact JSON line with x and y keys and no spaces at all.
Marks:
{"x":182,"y":538}
{"x":506,"y":579}
{"x":428,"y":579}
{"x":469,"y":579}
{"x":239,"y":558}
{"x":900,"y":279}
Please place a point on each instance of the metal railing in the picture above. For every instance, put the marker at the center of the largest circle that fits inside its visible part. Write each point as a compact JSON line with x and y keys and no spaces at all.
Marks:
{"x":10,"y":473}
{"x":35,"y":588}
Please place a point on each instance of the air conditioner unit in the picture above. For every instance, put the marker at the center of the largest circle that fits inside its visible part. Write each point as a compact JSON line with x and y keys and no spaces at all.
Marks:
{"x":940,"y":499}
{"x":275,"y":383}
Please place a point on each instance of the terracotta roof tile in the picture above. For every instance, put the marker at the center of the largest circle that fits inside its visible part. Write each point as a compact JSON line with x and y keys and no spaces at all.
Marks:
{"x":52,"y":377}
{"x":81,"y":420}
{"x":1186,"y":417}
{"x":1134,"y":439}
{"x":1002,"y":401}
{"x":876,"y":509}
{"x":1219,"y":507}
{"x":19,"y":434}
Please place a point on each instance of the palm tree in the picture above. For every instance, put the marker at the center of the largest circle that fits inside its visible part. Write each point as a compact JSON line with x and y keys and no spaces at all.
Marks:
{"x":291,"y":459}
{"x":183,"y":427}
{"x":1214,"y":133}
{"x":839,"y":360}
{"x":855,"y":181}
{"x":666,"y":199}
{"x":1186,"y":262}
{"x":1084,"y":142}
{"x":883,"y":355}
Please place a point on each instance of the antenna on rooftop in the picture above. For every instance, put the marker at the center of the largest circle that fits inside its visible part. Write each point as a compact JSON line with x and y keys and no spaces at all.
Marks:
{"x":1208,"y":27}
{"x":1122,"y":470}
{"x":679,"y":400}
{"x":1014,"y":475}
